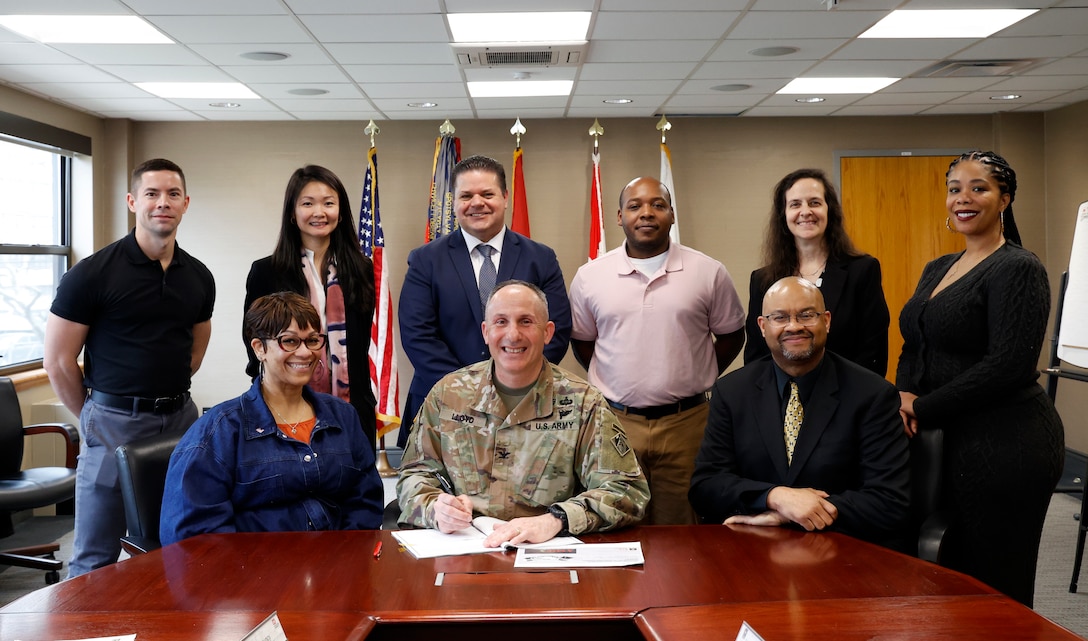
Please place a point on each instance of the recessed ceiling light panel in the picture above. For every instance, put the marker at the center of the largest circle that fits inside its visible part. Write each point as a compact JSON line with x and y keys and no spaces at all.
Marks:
{"x":816,"y":86}
{"x":1008,"y":96}
{"x":810,"y":100}
{"x":307,"y":91}
{"x":945,"y":23}
{"x":97,"y":30}
{"x":199,"y":90}
{"x":617,"y":101}
{"x":537,"y":26}
{"x":423,"y":105}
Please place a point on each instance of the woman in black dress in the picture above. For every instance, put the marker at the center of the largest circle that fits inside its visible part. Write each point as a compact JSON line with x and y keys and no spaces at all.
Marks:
{"x":317,"y":255}
{"x":972,"y":336}
{"x":806,"y":237}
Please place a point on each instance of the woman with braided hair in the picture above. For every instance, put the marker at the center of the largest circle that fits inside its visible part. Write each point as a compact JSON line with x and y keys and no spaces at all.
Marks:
{"x":972,"y":336}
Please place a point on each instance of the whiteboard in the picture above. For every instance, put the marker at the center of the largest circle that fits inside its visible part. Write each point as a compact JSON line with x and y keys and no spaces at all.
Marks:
{"x":1073,"y":333}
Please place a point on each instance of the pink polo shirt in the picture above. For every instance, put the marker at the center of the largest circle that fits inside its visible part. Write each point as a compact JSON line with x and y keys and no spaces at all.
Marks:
{"x":654,"y":342}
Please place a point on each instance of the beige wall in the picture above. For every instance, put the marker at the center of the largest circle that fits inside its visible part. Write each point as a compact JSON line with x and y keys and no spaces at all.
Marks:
{"x":1066,"y":142}
{"x":725,"y":170}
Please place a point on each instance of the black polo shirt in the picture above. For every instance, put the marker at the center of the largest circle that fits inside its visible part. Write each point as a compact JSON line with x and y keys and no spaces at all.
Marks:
{"x":140,"y":317}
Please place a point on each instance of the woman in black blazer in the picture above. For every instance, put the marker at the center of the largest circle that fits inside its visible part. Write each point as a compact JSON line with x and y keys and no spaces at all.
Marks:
{"x":806,"y":237}
{"x":317,"y":255}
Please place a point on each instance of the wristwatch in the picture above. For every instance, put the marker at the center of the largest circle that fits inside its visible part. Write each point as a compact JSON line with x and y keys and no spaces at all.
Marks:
{"x":558,"y":513}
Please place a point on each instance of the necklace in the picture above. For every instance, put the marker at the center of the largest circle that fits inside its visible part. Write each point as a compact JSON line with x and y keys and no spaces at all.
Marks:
{"x":283,"y":421}
{"x":816,"y":274}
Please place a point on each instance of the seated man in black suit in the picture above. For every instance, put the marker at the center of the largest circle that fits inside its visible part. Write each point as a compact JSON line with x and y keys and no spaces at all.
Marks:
{"x":804,"y":436}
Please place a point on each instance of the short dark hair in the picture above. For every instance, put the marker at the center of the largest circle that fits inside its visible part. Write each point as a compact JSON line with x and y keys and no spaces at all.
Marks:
{"x":269,"y":315}
{"x":664,"y":188}
{"x":155,"y":164}
{"x":479,"y":163}
{"x":535,"y":289}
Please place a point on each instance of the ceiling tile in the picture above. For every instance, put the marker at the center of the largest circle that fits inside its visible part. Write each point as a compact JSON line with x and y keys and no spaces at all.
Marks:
{"x":729,"y":71}
{"x":32,"y":53}
{"x":276,"y":91}
{"x":370,"y":6}
{"x":636,"y":71}
{"x":402,"y":73}
{"x":377,"y":28}
{"x":866,"y":68}
{"x":231,"y":54}
{"x":416,"y":92}
{"x":125,"y":54}
{"x":733,"y":50}
{"x":287,"y":73}
{"x":207,"y":7}
{"x":625,"y":88}
{"x":53,"y":73}
{"x":227,"y":29}
{"x":167,"y":73}
{"x":1027,"y":47}
{"x":643,"y":51}
{"x":903,"y":48}
{"x":416,"y":53}
{"x":804,"y":24}
{"x":653,"y":25}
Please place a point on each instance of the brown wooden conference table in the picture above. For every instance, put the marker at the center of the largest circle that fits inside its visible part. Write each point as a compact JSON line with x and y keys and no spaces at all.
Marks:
{"x":328,"y":585}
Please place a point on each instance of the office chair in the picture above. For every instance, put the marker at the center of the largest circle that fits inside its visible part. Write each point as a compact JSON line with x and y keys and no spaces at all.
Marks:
{"x":141,"y":470}
{"x":35,"y":487}
{"x":926,"y":478}
{"x":390,"y":515}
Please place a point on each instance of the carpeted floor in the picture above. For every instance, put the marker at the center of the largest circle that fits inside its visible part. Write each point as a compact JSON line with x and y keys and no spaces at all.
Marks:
{"x":1052,"y":597}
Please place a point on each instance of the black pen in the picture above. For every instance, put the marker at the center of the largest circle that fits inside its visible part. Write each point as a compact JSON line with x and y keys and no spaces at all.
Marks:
{"x":446,"y":487}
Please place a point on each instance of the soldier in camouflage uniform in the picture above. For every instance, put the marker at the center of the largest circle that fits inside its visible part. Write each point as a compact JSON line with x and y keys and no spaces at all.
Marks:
{"x":557,"y":461}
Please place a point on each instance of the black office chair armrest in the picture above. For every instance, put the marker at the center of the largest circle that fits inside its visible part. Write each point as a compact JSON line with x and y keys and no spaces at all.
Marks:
{"x":67,"y":430}
{"x":135,"y":545}
{"x":931,"y":537}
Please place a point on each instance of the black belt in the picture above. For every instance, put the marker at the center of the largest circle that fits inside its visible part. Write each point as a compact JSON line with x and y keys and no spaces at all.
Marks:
{"x":160,"y":405}
{"x":660,"y":411}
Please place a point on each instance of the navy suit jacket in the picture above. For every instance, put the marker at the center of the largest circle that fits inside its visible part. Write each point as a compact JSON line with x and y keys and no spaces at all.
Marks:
{"x":440,"y":312}
{"x":853,"y":293}
{"x":851,"y":445}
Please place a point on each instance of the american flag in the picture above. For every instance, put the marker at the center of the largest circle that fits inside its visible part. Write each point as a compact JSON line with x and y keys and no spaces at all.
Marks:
{"x":383,"y":355}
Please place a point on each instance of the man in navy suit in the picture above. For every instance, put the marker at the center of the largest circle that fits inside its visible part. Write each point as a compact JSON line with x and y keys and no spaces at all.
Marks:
{"x":846,"y":469}
{"x":441,"y":306}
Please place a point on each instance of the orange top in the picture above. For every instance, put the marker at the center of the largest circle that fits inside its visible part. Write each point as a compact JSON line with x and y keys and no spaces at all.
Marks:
{"x":299,"y":432}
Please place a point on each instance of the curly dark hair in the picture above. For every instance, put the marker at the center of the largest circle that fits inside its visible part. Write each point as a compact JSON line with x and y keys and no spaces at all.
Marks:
{"x":779,"y":246}
{"x":1004,"y":176}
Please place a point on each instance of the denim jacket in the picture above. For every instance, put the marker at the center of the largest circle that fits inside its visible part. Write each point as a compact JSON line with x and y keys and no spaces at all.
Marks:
{"x":234,"y":471}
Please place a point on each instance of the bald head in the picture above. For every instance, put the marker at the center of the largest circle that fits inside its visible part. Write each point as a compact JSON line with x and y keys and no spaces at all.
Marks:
{"x":795,"y":324}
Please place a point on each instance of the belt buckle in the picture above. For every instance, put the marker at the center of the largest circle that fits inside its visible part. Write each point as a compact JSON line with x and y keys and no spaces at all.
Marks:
{"x":164,"y":405}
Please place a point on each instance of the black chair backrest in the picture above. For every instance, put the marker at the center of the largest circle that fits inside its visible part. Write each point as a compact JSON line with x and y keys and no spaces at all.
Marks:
{"x":926,"y":472}
{"x":11,"y":429}
{"x":141,"y":469}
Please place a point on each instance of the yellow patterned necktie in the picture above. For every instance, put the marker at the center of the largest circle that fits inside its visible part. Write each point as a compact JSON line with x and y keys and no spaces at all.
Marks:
{"x":795,"y":415}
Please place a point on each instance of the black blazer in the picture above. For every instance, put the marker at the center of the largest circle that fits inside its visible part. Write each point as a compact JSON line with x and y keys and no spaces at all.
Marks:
{"x":859,"y":314}
{"x":440,"y":313}
{"x":851,"y":445}
{"x":264,"y":280}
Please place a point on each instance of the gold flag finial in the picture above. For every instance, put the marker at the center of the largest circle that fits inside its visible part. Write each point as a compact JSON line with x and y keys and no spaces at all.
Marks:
{"x":663,"y":125}
{"x":517,"y":130}
{"x":372,"y":130}
{"x":447,"y":128}
{"x":596,"y":130}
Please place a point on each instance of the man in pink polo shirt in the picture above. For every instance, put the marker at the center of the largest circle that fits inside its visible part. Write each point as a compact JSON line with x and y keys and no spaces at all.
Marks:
{"x":655,"y":323}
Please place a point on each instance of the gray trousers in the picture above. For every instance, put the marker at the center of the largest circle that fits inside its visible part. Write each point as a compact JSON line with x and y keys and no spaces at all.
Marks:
{"x":100,"y":513}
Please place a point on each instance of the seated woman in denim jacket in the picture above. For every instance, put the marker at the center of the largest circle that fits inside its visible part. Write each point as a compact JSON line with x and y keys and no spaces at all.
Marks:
{"x":280,"y":457}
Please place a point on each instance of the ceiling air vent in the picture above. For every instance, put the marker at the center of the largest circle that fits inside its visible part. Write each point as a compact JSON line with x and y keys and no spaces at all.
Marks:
{"x":977,"y":68}
{"x":556,"y":55}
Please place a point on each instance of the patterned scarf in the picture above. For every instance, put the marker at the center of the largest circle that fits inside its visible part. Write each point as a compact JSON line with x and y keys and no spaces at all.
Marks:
{"x":333,"y":377}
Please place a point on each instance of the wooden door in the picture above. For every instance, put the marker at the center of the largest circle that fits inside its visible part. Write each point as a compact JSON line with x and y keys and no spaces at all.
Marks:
{"x":894,"y":208}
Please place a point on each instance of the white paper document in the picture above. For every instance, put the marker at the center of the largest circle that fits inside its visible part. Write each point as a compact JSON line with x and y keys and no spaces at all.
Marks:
{"x":427,"y":544}
{"x":267,"y":630}
{"x":587,"y":555}
{"x":747,"y":633}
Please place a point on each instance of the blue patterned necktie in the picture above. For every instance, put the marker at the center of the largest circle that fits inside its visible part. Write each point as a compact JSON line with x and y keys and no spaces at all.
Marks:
{"x":795,"y":415}
{"x":487,"y":274}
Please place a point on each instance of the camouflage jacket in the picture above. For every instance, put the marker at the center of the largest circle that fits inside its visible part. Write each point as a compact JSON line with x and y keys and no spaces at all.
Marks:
{"x":561,"y":445}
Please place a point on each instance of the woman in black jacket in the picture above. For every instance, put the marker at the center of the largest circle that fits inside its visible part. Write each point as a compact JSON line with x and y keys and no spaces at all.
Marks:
{"x":317,"y":255}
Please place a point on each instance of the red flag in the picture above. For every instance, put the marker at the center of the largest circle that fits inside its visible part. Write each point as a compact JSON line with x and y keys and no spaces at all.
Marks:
{"x":596,"y":221}
{"x":520,"y":220}
{"x":383,"y":354}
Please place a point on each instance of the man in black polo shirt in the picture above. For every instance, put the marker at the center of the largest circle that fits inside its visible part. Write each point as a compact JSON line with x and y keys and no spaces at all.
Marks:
{"x":140,"y":309}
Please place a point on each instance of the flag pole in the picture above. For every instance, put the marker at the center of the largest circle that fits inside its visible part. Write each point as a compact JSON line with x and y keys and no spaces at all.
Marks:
{"x":596,"y":222}
{"x":385,"y":469}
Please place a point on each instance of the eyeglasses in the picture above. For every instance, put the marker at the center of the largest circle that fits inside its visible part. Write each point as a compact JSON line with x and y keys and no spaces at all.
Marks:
{"x":807,"y":318}
{"x":290,"y":343}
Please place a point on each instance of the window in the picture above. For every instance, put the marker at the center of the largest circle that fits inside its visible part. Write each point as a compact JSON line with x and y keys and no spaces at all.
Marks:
{"x":35,"y":214}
